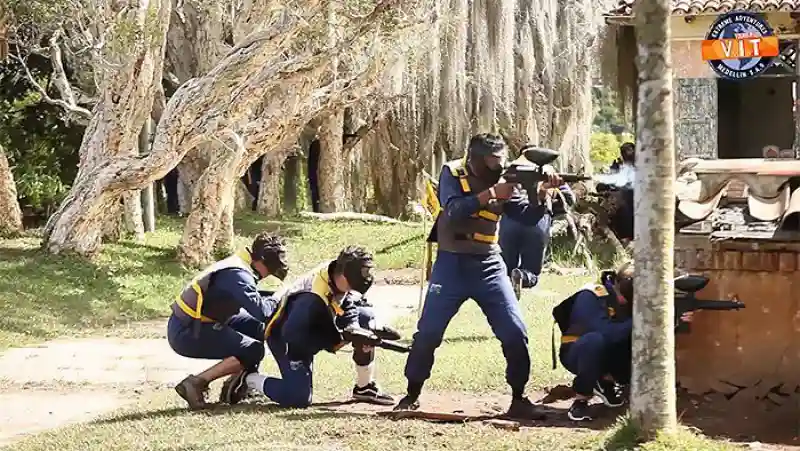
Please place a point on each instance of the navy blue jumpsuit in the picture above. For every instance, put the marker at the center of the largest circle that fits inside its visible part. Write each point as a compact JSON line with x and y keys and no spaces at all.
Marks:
{"x":469,"y":265}
{"x":306,"y":326}
{"x":524,"y":246}
{"x":241,"y":336}
{"x":602,"y":343}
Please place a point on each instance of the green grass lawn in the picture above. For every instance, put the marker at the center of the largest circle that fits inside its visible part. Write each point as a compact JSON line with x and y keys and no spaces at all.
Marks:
{"x":44,"y":296}
{"x":470,"y":361}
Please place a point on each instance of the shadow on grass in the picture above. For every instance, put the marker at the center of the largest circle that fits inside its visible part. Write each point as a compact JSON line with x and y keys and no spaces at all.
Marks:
{"x":409,"y":240}
{"x":46,"y":293}
{"x":469,"y":339}
{"x":624,"y":437}
{"x":252,"y":225}
{"x":214,"y":409}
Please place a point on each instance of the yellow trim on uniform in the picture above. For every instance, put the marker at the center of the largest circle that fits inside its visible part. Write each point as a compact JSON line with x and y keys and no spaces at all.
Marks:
{"x":458,"y":169}
{"x":197,"y":312}
{"x":488,"y":215}
{"x":244,"y":254}
{"x":194,"y":313}
{"x":600,"y":290}
{"x":569,"y":339}
{"x":483,"y":238}
{"x":431,"y":200}
{"x":319,"y":286}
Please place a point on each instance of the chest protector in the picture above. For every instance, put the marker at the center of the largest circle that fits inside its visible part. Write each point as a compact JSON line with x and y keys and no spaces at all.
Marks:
{"x":191,"y":301}
{"x":318,"y":282}
{"x":562,"y":315}
{"x":477,"y":234}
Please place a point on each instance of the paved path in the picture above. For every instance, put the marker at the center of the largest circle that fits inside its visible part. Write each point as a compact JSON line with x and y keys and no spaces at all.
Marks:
{"x":72,"y":380}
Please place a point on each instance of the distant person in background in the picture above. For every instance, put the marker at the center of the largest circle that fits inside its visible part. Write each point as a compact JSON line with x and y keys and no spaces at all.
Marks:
{"x":524,"y":247}
{"x":627,"y":154}
{"x":622,"y":218}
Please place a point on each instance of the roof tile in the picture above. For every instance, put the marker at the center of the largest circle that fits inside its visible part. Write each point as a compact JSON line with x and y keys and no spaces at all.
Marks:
{"x":689,"y":7}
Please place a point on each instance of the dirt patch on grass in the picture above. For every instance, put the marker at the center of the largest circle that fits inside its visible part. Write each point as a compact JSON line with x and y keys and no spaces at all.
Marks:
{"x":27,"y":411}
{"x":83,"y":378}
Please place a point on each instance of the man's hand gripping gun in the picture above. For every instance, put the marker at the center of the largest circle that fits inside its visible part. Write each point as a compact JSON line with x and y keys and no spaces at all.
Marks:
{"x":685,"y":301}
{"x":384,"y":337}
{"x":529,"y":176}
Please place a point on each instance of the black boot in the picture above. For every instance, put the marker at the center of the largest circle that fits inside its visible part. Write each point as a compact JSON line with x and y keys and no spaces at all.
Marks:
{"x":522,"y":408}
{"x":407,"y":403}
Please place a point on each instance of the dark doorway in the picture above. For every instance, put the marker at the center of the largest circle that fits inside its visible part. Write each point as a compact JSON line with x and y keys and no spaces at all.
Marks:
{"x":753,"y":114}
{"x":313,"y":175}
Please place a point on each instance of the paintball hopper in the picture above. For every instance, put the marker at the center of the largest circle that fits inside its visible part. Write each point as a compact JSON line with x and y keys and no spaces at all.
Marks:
{"x":539,"y":156}
{"x":530,"y":173}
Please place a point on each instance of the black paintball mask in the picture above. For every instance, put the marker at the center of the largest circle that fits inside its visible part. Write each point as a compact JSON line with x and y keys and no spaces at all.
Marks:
{"x":275,"y":260}
{"x":618,"y":282}
{"x":359,"y":274}
{"x":487,"y":160}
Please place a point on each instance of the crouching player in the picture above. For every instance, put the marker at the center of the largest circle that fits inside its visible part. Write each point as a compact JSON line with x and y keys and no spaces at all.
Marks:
{"x":596,"y":325}
{"x":220,"y":315}
{"x":310,"y":318}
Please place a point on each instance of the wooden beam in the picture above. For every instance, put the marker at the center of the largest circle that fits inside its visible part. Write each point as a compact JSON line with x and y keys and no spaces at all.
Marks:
{"x":796,"y":143}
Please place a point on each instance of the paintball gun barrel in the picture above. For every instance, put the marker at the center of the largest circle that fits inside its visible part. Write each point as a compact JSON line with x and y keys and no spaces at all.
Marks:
{"x":685,"y":301}
{"x":364,"y":337}
{"x":529,"y":176}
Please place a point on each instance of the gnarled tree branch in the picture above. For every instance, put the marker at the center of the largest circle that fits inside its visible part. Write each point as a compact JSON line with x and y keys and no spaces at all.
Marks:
{"x":59,"y":79}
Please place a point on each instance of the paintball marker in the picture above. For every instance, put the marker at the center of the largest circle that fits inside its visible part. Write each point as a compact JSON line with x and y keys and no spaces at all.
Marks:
{"x":529,"y":176}
{"x":365,"y":337}
{"x":687,"y":302}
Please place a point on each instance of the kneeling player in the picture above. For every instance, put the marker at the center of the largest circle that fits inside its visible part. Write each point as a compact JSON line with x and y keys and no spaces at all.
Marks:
{"x":311,"y":316}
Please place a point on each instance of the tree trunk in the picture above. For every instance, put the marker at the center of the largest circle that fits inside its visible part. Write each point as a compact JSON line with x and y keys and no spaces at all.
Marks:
{"x":269,"y":198}
{"x":332,"y":164}
{"x":395,"y":167}
{"x":114,"y":225}
{"x":132,"y":204}
{"x":126,"y":100}
{"x":148,"y":193}
{"x":653,"y":380}
{"x":184,"y":192}
{"x":213,"y":191}
{"x":10,"y":213}
{"x":291,"y":181}
{"x":224,"y":236}
{"x":265,"y":89}
{"x":242,"y":198}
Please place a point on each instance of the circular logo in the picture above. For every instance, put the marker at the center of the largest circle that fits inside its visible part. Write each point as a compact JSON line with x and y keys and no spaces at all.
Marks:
{"x":739,"y":35}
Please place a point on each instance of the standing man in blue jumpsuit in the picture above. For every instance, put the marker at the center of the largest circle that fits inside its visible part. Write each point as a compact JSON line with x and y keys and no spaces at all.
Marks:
{"x":468,"y":265}
{"x":524,"y":247}
{"x":220,"y":315}
{"x":310,"y":318}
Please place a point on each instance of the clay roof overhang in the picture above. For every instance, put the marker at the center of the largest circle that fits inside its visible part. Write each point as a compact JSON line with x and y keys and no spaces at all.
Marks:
{"x":624,"y":8}
{"x":770,"y":189}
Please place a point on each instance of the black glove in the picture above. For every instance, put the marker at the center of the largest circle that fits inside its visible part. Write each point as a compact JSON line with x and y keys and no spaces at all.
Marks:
{"x":387,"y":333}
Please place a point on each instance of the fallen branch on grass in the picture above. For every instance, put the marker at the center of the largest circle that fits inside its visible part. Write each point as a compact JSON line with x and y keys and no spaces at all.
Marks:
{"x":352,"y":216}
{"x":441,"y":417}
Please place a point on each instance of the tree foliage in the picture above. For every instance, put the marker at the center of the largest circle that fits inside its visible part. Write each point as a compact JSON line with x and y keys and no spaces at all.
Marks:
{"x":41,"y":144}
